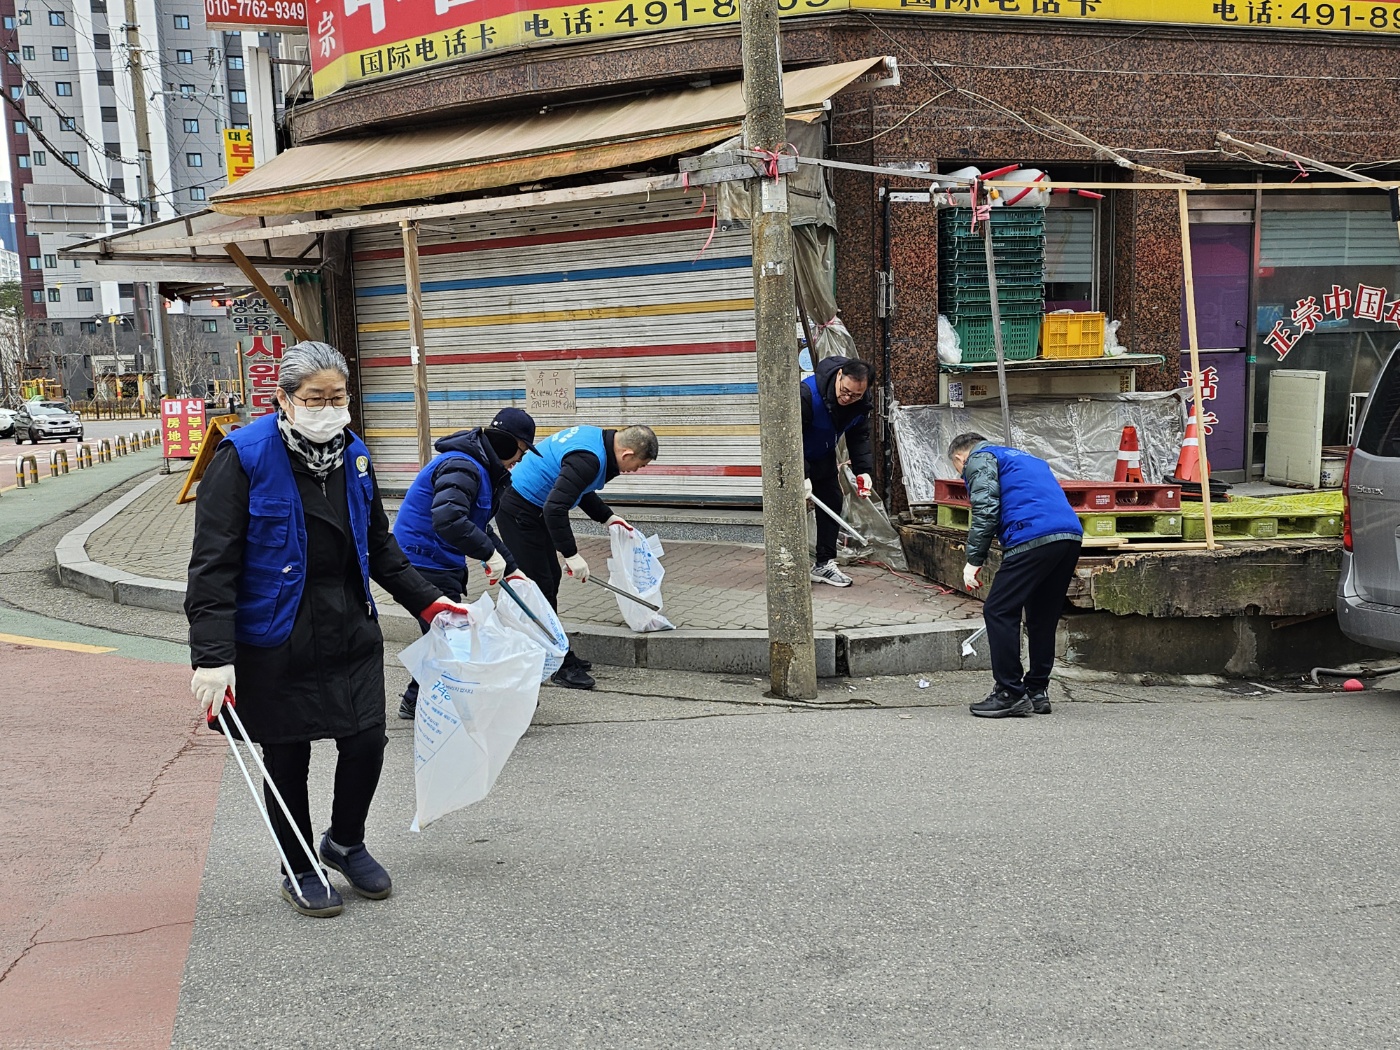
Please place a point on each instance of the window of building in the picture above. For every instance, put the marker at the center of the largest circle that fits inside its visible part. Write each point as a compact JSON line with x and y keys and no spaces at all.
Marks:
{"x":35,"y":263}
{"x":99,"y":7}
{"x":101,"y":41}
{"x":109,"y":114}
{"x":112,"y":149}
{"x":184,"y":58}
{"x":191,"y":126}
{"x":1069,"y":258}
{"x":56,"y":18}
{"x":41,"y":329}
{"x":27,"y":53}
{"x":88,"y":327}
{"x":241,"y":125}
{"x":194,"y":160}
{"x":56,"y":328}
{"x":22,"y":160}
{"x":210,"y":324}
{"x":106,"y":78}
{"x":51,"y":261}
{"x":60,"y":54}
{"x":40,"y":158}
{"x":126,"y":291}
{"x":31,"y":88}
{"x":16,"y":92}
{"x":21,"y":128}
{"x":37,"y":123}
{"x":85,"y":295}
{"x":187,"y":90}
{"x":197,"y":193}
{"x":71,"y":156}
{"x":235,"y":61}
{"x":9,"y":22}
{"x":214,"y":357}
{"x":26,"y":17}
{"x":118,"y":185}
{"x":238,"y":97}
{"x":67,"y":124}
{"x":182,"y":21}
{"x":63,"y":88}
{"x":36,"y":295}
{"x":55,"y":295}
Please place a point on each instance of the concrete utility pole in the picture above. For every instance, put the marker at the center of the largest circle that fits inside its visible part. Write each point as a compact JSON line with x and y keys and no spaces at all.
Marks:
{"x":792,"y":652}
{"x":149,"y":208}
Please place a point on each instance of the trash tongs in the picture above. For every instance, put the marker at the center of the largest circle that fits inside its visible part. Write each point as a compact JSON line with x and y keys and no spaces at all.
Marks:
{"x":227,"y":705}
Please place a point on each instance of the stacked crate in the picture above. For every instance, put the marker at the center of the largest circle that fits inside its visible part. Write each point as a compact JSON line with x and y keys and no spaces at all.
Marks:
{"x":1018,"y":249}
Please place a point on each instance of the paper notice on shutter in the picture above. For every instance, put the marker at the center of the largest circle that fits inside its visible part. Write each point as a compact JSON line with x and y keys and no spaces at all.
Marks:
{"x":551,"y":391}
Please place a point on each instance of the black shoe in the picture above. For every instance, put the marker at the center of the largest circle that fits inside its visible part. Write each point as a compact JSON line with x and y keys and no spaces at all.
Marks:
{"x":407,"y":709}
{"x":1040,"y":701}
{"x":573,"y":677}
{"x":366,"y":875}
{"x":310,"y":897}
{"x":580,"y":662}
{"x":1001,"y":704}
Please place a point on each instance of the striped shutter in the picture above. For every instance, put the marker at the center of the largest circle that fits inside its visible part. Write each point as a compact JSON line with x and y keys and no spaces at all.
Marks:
{"x":649,"y":302}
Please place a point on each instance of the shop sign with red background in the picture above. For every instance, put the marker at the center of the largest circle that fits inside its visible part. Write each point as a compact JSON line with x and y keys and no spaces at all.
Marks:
{"x":181,"y":427}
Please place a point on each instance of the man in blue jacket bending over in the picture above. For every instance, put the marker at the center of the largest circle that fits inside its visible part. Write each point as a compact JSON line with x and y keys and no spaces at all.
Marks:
{"x":1016,"y":498}
{"x":572,"y":466}
{"x":444,"y":521}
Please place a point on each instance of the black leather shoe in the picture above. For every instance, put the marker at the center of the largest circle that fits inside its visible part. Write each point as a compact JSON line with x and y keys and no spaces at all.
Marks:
{"x":1040,"y":701}
{"x":407,"y":709}
{"x":1001,"y":704}
{"x":573,"y":678}
{"x":580,"y":662}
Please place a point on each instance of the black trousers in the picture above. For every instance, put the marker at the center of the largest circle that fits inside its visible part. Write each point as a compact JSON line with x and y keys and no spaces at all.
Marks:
{"x":826,"y":487}
{"x":358,"y":763}
{"x":453,"y":585}
{"x":523,"y":530}
{"x":1033,"y":582}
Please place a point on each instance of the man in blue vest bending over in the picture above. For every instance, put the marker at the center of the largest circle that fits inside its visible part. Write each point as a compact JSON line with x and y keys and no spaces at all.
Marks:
{"x":1016,"y":499}
{"x":443,"y":524}
{"x":836,"y":402}
{"x":572,"y":466}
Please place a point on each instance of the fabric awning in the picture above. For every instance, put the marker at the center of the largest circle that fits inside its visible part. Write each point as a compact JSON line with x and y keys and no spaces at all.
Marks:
{"x":432,"y":162}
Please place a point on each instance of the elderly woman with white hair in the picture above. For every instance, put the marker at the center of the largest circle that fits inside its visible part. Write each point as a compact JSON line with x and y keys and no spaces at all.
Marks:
{"x":289,"y":532}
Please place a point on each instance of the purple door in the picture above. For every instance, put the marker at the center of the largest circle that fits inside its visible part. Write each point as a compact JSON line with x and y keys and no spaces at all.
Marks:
{"x":1220,"y":264}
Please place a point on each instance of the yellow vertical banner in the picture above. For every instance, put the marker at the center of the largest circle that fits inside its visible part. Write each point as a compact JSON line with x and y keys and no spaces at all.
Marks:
{"x":238,"y":152}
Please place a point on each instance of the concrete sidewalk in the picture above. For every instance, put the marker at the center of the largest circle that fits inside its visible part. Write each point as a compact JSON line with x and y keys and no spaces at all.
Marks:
{"x":136,"y":552}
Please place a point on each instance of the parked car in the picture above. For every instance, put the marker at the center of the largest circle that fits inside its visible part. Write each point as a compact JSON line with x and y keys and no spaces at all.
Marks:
{"x":1368,"y":588}
{"x":7,"y":422}
{"x":42,"y":421}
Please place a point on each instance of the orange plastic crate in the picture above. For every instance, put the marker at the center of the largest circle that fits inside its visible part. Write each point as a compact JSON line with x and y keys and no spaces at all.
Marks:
{"x":1072,"y":335}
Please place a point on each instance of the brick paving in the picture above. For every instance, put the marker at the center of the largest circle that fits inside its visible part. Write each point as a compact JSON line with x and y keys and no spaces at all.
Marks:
{"x":708,"y":586}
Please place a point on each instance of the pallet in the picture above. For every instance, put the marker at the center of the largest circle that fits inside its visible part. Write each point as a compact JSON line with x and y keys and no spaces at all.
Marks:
{"x":1126,"y":525}
{"x":1265,"y":527}
{"x":1087,"y":496}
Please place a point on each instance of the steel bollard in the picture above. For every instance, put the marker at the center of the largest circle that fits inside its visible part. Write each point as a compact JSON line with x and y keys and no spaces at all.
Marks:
{"x":83,"y":454}
{"x":57,"y":456}
{"x":133,"y":442}
{"x":121,"y":448}
{"x":104,"y":451}
{"x":26,"y":461}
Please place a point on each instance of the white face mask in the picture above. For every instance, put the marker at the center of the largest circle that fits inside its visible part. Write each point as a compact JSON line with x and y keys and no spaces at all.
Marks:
{"x":319,"y":425}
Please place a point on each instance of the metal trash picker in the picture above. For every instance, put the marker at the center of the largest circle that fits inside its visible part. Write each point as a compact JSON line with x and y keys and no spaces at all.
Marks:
{"x":510,"y":593}
{"x":625,"y":594}
{"x":837,"y":518}
{"x":261,"y":804}
{"x":967,"y":649}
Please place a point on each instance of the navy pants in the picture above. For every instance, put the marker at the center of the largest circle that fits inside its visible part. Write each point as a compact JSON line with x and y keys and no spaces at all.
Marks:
{"x":1034,"y":583}
{"x":825,"y":486}
{"x":452,"y":585}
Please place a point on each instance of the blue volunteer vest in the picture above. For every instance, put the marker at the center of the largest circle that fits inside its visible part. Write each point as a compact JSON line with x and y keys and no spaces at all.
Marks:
{"x":413,"y":528}
{"x":274,"y":548}
{"x":1032,"y":503}
{"x":819,"y":440}
{"x":534,"y":476}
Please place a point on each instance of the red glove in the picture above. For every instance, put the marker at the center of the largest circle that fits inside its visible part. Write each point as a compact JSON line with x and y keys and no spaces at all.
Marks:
{"x":864,"y":485}
{"x":617,"y":519}
{"x":517,"y":575}
{"x":443,"y":604}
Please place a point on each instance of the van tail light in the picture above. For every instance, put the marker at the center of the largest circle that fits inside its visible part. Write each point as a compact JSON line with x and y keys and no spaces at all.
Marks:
{"x":1346,"y":501}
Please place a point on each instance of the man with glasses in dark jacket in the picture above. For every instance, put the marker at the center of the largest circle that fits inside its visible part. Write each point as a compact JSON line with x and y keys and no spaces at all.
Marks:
{"x":836,"y":403}
{"x":444,"y":522}
{"x":1016,"y":499}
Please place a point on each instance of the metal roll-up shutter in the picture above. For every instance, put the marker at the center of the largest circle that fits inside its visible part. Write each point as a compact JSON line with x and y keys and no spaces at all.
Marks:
{"x":647,"y":300}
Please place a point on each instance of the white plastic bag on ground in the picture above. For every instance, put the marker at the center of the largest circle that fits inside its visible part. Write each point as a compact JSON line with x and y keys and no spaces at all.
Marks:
{"x":514,"y":617}
{"x":635,"y":566}
{"x":478,"y":684}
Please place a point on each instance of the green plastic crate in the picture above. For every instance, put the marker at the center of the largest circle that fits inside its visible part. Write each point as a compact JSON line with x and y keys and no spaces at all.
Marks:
{"x":1020,"y":337}
{"x":1006,"y":292}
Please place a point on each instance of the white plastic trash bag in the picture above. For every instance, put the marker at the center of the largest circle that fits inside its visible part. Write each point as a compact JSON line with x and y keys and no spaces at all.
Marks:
{"x":949,"y":343}
{"x":478,"y":684}
{"x":635,"y":566}
{"x":514,"y":617}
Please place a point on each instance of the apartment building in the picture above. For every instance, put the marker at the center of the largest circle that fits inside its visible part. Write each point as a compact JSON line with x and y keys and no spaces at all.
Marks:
{"x":70,"y":121}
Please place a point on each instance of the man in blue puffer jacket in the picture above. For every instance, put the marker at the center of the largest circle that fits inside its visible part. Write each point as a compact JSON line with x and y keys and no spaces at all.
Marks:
{"x":1016,"y":499}
{"x":444,"y":523}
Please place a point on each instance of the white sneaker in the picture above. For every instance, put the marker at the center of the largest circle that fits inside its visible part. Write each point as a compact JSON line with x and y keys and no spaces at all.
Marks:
{"x":827,"y":572}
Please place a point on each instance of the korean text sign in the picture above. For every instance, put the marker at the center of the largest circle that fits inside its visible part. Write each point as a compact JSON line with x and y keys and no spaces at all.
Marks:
{"x":261,"y":363}
{"x":238,"y":152}
{"x":358,"y":40}
{"x":181,"y":427}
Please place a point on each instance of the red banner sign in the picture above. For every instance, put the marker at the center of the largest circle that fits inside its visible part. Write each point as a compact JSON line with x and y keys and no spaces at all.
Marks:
{"x":261,"y":363}
{"x":273,"y":16}
{"x":181,"y":427}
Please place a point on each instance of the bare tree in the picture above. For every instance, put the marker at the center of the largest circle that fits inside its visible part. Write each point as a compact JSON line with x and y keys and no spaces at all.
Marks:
{"x":194,"y":358}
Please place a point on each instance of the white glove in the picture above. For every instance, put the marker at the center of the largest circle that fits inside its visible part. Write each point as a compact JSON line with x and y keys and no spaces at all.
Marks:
{"x":617,"y":519}
{"x":972,"y":577}
{"x":495,"y":568}
{"x":577,"y":567}
{"x":864,"y":484}
{"x":209,"y":685}
{"x":806,"y":488}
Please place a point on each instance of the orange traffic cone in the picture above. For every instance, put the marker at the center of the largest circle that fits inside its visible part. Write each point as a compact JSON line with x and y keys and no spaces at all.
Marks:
{"x":1188,"y":464}
{"x":1129,"y":466}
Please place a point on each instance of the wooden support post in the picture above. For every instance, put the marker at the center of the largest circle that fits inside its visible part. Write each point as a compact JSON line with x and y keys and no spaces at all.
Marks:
{"x":996,"y":329}
{"x":265,"y":290}
{"x":1193,"y":342}
{"x":417,"y":352}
